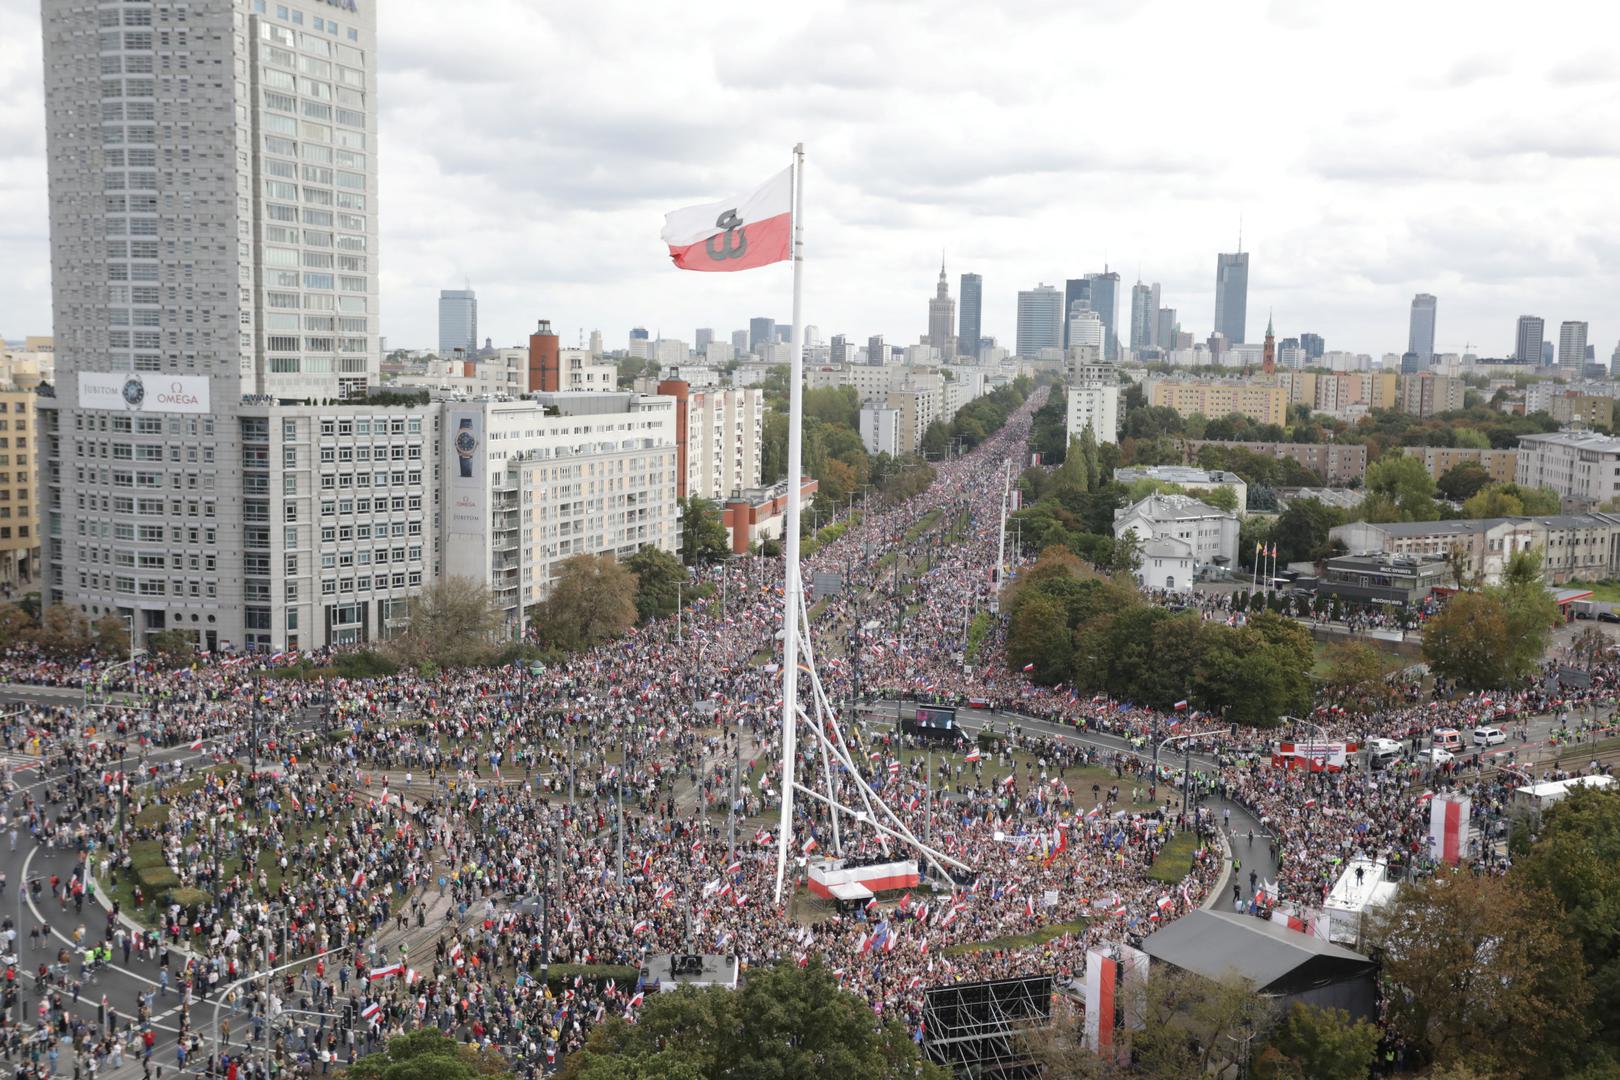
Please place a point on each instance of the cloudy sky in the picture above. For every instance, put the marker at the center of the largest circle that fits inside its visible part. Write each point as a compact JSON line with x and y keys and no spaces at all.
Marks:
{"x":1372,"y":151}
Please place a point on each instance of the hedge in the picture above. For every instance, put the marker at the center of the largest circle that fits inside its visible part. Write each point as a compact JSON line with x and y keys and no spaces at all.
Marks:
{"x":156,"y":878}
{"x":620,"y":973}
{"x":144,"y":853}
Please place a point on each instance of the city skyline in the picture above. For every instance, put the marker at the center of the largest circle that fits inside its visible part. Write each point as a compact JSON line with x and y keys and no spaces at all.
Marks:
{"x":1343,"y":231}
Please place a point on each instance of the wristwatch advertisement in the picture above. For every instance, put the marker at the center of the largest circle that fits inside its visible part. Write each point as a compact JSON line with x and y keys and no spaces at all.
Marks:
{"x":466,"y":443}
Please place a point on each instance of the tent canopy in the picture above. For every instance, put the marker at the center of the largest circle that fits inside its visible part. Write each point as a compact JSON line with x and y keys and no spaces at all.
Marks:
{"x":1275,"y":959}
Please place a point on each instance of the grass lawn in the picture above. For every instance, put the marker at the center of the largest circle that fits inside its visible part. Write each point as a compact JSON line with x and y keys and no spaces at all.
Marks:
{"x":1018,"y":941}
{"x":1606,"y":591}
{"x":924,"y":523}
{"x":978,"y":630}
{"x":1175,"y":859}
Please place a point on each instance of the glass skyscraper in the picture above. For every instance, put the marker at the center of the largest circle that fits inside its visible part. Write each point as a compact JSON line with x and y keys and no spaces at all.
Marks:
{"x":970,"y":315}
{"x":458,"y":322}
{"x":1232,"y":295}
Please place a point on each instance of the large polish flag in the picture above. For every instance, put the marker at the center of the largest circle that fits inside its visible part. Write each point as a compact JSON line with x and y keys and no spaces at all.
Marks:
{"x":1448,"y":828}
{"x":734,"y":234}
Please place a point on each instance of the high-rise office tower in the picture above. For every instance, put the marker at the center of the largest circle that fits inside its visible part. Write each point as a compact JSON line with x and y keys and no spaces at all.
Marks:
{"x":1144,"y":317}
{"x":1614,"y":363}
{"x":1153,"y":331}
{"x":876,"y":351}
{"x":458,"y":322}
{"x":1164,"y":335}
{"x":639,"y":333}
{"x":596,"y":343}
{"x":701,"y":339}
{"x":1103,"y":289}
{"x":1073,"y":289}
{"x":213,"y":189}
{"x":838,"y":350}
{"x":1420,"y":334}
{"x":1086,"y":330}
{"x":1527,"y":338}
{"x":1232,"y":295}
{"x":1571,"y":346}
{"x":1313,"y":345}
{"x":739,"y":342}
{"x":970,"y":324}
{"x":942,"y":318}
{"x":1040,"y":320}
{"x":761,"y":332}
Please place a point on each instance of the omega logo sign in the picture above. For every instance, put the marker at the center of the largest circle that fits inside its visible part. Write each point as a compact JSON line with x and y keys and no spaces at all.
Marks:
{"x":133,"y":392}
{"x":346,"y":5}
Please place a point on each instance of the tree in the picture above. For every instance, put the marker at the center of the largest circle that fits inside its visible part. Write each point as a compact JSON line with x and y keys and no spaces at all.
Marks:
{"x":1463,"y":480}
{"x":1221,"y":498}
{"x":1321,"y":1044}
{"x":1592,"y":646}
{"x":1401,"y":485}
{"x":785,"y":1021}
{"x":171,"y":648}
{"x":1495,"y":637}
{"x":1193,"y":1025}
{"x":936,"y":439}
{"x":1358,"y":677}
{"x":1510,"y":500}
{"x":15,"y":625}
{"x":773,"y":446}
{"x":1301,"y":531}
{"x":703,"y":533}
{"x":1038,"y":634}
{"x":592,"y":599}
{"x":64,"y":633}
{"x":1576,"y":859}
{"x":110,"y":636}
{"x":451,"y":623}
{"x":659,"y":578}
{"x":429,"y":1054}
{"x":1463,"y":952}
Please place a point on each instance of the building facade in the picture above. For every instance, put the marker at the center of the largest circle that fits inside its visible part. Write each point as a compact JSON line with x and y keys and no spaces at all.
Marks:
{"x":212,"y":172}
{"x":717,"y":438}
{"x":19,"y":492}
{"x":1210,"y":534}
{"x":1260,"y":403}
{"x":1426,"y":394}
{"x":942,"y":318}
{"x":1232,"y":296}
{"x":970,"y":328}
{"x":1420,"y":328}
{"x":1040,"y":321}
{"x":880,"y":430}
{"x":1583,"y":467}
{"x":458,"y":322}
{"x":1573,"y":547}
{"x":1335,"y":463}
{"x":1528,"y":336}
{"x":1094,"y":404}
{"x":1572,"y":345}
{"x":1500,"y":465}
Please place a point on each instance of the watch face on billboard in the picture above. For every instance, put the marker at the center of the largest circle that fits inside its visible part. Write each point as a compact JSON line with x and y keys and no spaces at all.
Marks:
{"x":464,"y":439}
{"x":148,"y":392}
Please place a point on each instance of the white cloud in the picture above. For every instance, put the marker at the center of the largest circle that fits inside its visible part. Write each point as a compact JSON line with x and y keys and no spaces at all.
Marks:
{"x":1372,"y":151}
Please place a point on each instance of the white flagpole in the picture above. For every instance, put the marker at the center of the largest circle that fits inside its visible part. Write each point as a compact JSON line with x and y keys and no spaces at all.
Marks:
{"x":790,"y":531}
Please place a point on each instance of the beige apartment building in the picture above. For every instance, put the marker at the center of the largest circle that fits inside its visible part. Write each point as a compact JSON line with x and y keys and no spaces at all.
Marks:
{"x":1427,"y":394}
{"x":1501,"y":465}
{"x":19,"y":509}
{"x":1261,"y":403}
{"x":1335,"y":463}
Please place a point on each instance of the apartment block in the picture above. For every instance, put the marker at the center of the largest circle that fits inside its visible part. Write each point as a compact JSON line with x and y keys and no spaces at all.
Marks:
{"x":19,"y":502}
{"x":717,"y":437}
{"x":1427,"y":394}
{"x":1583,"y":467}
{"x":1261,"y":403}
{"x":1501,"y":465}
{"x":1335,"y":463}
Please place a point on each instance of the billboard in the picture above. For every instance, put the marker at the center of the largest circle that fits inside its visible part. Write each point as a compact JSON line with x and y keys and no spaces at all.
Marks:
{"x":146,"y":392}
{"x":931,"y":716}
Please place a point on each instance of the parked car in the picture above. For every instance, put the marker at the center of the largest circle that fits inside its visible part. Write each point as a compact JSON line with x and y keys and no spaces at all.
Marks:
{"x":1382,"y":752}
{"x":1608,"y":616}
{"x":1434,"y":756}
{"x":1489,"y":736}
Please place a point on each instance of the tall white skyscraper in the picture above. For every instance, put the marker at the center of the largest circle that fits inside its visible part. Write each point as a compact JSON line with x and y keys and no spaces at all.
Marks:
{"x":1571,"y":345}
{"x":1420,"y":332}
{"x":1040,"y":320}
{"x":458,"y":322}
{"x":213,"y":192}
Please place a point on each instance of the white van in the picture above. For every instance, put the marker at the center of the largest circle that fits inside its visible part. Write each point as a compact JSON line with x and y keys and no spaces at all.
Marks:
{"x":1449,"y":739}
{"x":1489,"y":736}
{"x":1383,"y":752}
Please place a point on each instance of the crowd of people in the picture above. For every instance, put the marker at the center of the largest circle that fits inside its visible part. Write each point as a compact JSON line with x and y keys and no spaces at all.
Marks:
{"x":495,"y":852}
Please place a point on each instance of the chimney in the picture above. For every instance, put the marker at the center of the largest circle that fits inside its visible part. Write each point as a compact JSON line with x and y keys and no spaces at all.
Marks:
{"x":545,"y":363}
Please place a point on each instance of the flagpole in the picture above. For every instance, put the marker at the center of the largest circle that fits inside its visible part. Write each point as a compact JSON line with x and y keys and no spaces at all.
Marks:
{"x":790,"y":530}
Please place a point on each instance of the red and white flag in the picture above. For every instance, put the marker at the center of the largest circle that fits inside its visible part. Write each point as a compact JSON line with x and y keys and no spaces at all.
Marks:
{"x":196,"y":744}
{"x":739,"y":233}
{"x":385,"y":971}
{"x":370,"y":1011}
{"x":1448,"y":828}
{"x":808,"y":846}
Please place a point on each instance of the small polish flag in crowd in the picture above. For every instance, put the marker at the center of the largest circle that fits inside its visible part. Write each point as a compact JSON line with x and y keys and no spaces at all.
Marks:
{"x":1163,"y":902}
{"x":411,"y":976}
{"x":640,"y":928}
{"x":196,"y":744}
{"x":661,"y":731}
{"x":646,"y":863}
{"x":725,"y":890}
{"x":385,"y":971}
{"x":455,"y":953}
{"x":358,"y":880}
{"x":1310,"y":803}
{"x":871,"y":905}
{"x":664,"y":893}
{"x":742,"y":898}
{"x":1010,"y":780}
{"x":973,"y":756}
{"x":636,"y":999}
{"x":809,"y":845}
{"x":916,"y":981}
{"x":370,"y":1011}
{"x":734,"y":868}
{"x":1182,"y":704}
{"x":1029,"y":667}
{"x":1029,"y":906}
{"x":894,"y":768}
{"x":1119,"y":912}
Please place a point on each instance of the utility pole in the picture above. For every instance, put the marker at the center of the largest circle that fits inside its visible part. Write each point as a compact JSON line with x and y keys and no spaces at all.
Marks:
{"x":570,"y":775}
{"x":731,"y":807}
{"x":619,"y":880}
{"x":677,"y":613}
{"x":1001,"y":534}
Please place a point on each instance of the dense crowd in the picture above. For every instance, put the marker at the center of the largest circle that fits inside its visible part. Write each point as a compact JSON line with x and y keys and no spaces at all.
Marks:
{"x":521,"y":821}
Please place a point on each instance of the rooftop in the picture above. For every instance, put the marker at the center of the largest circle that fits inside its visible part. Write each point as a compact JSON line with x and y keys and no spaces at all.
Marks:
{"x":1176,"y":474}
{"x":1216,"y":943}
{"x":1171,"y":508}
{"x":1578,"y":440}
